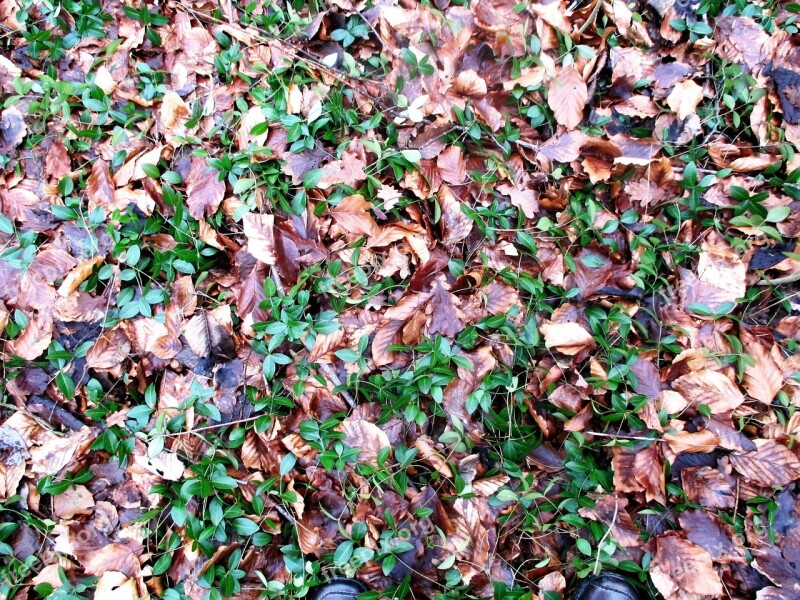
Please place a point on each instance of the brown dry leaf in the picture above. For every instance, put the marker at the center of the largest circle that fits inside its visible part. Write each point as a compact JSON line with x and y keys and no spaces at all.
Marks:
{"x":764,"y":379}
{"x":526,"y":200}
{"x":684,"y":98}
{"x":451,"y":165}
{"x":110,"y":349}
{"x":78,"y":275}
{"x":489,"y":485}
{"x":206,"y":334}
{"x":682,"y":565}
{"x":259,"y":230}
{"x":204,"y":190}
{"x":35,"y":338}
{"x":554,"y":583}
{"x":708,"y":487}
{"x":566,"y":97}
{"x":347,"y":171}
{"x":100,"y":188}
{"x":96,"y":553}
{"x":611,"y":510}
{"x":353,"y":215}
{"x":772,"y":464}
{"x":457,"y":225}
{"x":13,"y":451}
{"x":366,"y":437}
{"x":685,"y":441}
{"x":711,"y":388}
{"x":567,"y":338}
{"x":445,"y":315}
{"x":639,"y":470}
{"x":428,"y":453}
{"x":76,"y":500}
{"x":469,"y":83}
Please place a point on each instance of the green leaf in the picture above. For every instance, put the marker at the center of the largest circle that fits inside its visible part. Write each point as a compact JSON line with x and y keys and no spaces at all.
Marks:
{"x":506,"y":495}
{"x":447,"y":563}
{"x":287,"y":464}
{"x":6,"y":226}
{"x":343,"y":553}
{"x":347,"y":355}
{"x":778,"y":214}
{"x":584,"y":546}
{"x":66,"y":385}
{"x":151,"y":171}
{"x":244,"y":526}
{"x":183,"y":266}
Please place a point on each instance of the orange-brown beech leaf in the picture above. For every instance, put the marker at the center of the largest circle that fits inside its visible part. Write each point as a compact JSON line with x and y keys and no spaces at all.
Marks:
{"x":445,"y":315}
{"x":639,"y":470}
{"x":682,"y":565}
{"x":611,"y":510}
{"x":77,"y":500}
{"x":347,"y":171}
{"x":13,"y":451}
{"x":711,"y":533}
{"x":764,"y":379}
{"x":772,"y":464}
{"x":98,"y":554}
{"x":353,"y":215}
{"x":430,"y":455}
{"x":204,"y":190}
{"x":110,"y":349}
{"x":260,"y":234}
{"x":451,"y":165}
{"x":566,"y":97}
{"x":261,"y":453}
{"x":500,"y":298}
{"x":457,"y":225}
{"x":711,"y":388}
{"x":730,"y":156}
{"x":366,"y":437}
{"x":567,"y":338}
{"x":100,"y":187}
{"x":78,"y":275}
{"x":709,"y":487}
{"x":35,"y":338}
{"x":686,"y":441}
{"x":526,"y":200}
{"x":565,"y":148}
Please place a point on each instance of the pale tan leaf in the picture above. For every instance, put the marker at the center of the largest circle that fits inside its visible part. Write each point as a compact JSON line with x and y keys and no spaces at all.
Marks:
{"x":489,"y":485}
{"x":349,"y":170}
{"x":100,"y":188}
{"x":469,"y":83}
{"x":567,"y":338}
{"x":686,"y":441}
{"x":114,"y":585}
{"x":457,"y":225}
{"x":429,"y":454}
{"x":258,"y":228}
{"x":76,"y":500}
{"x":684,"y":98}
{"x":526,"y":200}
{"x":566,"y":97}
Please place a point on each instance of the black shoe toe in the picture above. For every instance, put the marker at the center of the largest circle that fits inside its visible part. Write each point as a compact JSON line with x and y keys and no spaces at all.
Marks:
{"x":606,"y":586}
{"x":338,"y":589}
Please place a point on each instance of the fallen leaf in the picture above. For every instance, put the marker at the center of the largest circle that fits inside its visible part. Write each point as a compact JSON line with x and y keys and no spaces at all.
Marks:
{"x":771,"y":465}
{"x":682,"y":565}
{"x":366,"y":437}
{"x":76,"y":500}
{"x":567,"y":338}
{"x":204,"y":190}
{"x":13,"y":451}
{"x":353,"y":215}
{"x":567,"y":97}
{"x":684,"y":98}
{"x":35,"y":338}
{"x":710,"y":388}
{"x":258,"y":229}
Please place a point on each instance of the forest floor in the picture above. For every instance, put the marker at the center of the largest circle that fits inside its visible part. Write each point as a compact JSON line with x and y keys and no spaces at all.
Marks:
{"x":463,"y":299}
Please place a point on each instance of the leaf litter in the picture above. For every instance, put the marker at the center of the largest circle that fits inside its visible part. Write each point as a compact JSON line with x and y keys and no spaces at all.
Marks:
{"x":479,"y":297}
